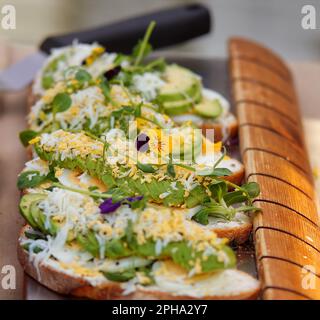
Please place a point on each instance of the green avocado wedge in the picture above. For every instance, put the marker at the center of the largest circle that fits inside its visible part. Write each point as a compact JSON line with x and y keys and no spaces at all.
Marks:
{"x":34,"y":216}
{"x":209,"y":108}
{"x":25,"y":204}
{"x":181,"y":91}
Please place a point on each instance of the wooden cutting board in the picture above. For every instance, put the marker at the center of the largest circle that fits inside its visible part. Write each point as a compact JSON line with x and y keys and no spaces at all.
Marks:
{"x":273,"y":149}
{"x":271,"y":244}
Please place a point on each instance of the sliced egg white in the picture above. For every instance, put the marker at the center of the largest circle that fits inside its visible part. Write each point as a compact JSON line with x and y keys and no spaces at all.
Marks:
{"x":74,"y":179}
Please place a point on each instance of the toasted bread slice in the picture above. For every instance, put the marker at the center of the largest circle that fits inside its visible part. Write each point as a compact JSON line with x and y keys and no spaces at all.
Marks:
{"x":237,"y":176}
{"x":222,"y":130}
{"x":237,"y":230}
{"x":171,"y":283}
{"x":225,"y":127}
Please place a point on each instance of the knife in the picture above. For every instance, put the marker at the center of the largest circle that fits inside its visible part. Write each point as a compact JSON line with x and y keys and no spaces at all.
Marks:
{"x":174,"y":26}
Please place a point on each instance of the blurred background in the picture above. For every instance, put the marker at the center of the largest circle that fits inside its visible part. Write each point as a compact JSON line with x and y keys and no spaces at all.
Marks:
{"x":276,"y":23}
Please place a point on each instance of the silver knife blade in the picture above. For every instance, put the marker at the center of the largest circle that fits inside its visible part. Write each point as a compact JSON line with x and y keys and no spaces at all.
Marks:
{"x":20,"y":74}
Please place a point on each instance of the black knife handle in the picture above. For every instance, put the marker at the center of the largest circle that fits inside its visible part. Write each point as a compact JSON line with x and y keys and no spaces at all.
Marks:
{"x":173,"y":26}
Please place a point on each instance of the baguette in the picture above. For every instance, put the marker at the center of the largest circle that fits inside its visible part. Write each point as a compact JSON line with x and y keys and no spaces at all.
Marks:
{"x":227,"y":284}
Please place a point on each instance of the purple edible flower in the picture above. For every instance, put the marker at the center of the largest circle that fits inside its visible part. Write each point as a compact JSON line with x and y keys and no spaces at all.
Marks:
{"x":108,"y":206}
{"x":142,"y":142}
{"x":112,"y":72}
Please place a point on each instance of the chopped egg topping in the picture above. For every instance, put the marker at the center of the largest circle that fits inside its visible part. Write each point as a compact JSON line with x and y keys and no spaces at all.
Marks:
{"x":87,"y":105}
{"x":70,"y":145}
{"x":62,"y":58}
{"x":166,"y":225}
{"x":147,"y":84}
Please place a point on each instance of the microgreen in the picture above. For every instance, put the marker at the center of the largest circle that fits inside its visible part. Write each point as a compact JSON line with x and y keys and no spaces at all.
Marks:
{"x":30,"y":179}
{"x":27,"y":135}
{"x":143,"y":48}
{"x":61,"y":102}
{"x":83,"y":76}
{"x":146,"y":167}
{"x":224,"y":204}
{"x":170,"y":167}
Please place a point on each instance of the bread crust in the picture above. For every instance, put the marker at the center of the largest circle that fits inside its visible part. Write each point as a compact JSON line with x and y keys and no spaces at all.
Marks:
{"x":239,"y":234}
{"x":218,"y":130}
{"x":76,"y":286}
{"x":236,"y":177}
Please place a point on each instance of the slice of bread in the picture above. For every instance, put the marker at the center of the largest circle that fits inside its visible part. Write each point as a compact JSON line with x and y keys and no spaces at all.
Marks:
{"x":171,"y":282}
{"x":237,"y":176}
{"x":222,"y":131}
{"x":225,"y":127}
{"x":237,"y":230}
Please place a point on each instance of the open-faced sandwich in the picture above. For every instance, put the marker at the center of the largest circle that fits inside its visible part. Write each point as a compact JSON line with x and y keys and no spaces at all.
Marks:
{"x":172,"y":89}
{"x":120,"y":200}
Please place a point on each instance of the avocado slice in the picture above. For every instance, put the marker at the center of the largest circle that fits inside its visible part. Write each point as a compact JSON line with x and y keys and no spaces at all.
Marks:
{"x":25,"y":205}
{"x":209,"y":108}
{"x":177,"y":93}
{"x":181,"y":91}
{"x":33,"y":214}
{"x":37,"y":216}
{"x":181,"y":105}
{"x":177,"y":107}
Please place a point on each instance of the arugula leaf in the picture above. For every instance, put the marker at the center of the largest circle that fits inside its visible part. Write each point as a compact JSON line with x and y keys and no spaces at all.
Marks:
{"x":143,"y":47}
{"x":137,"y":112}
{"x":215,"y":210}
{"x":83,"y":76}
{"x":121,"y":116}
{"x":252,"y":188}
{"x":146,"y":167}
{"x":27,"y":135}
{"x":201,"y":217}
{"x":30,"y":179}
{"x":221,"y":204}
{"x":248,"y":208}
{"x":157,"y":64}
{"x":218,"y":189}
{"x":93,"y":188}
{"x":170,"y":168}
{"x":215,"y":172}
{"x":105,"y":88}
{"x":47,"y":82}
{"x":105,"y":147}
{"x":234,"y":197}
{"x":61,"y":102}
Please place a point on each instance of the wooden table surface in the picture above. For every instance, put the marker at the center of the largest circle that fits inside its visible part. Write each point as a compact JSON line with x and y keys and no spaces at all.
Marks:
{"x":12,"y":154}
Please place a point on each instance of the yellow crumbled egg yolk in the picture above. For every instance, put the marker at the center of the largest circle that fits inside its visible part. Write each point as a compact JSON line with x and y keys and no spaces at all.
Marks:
{"x":167,"y":223}
{"x":35,"y":140}
{"x":66,"y":142}
{"x":96,"y":52}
